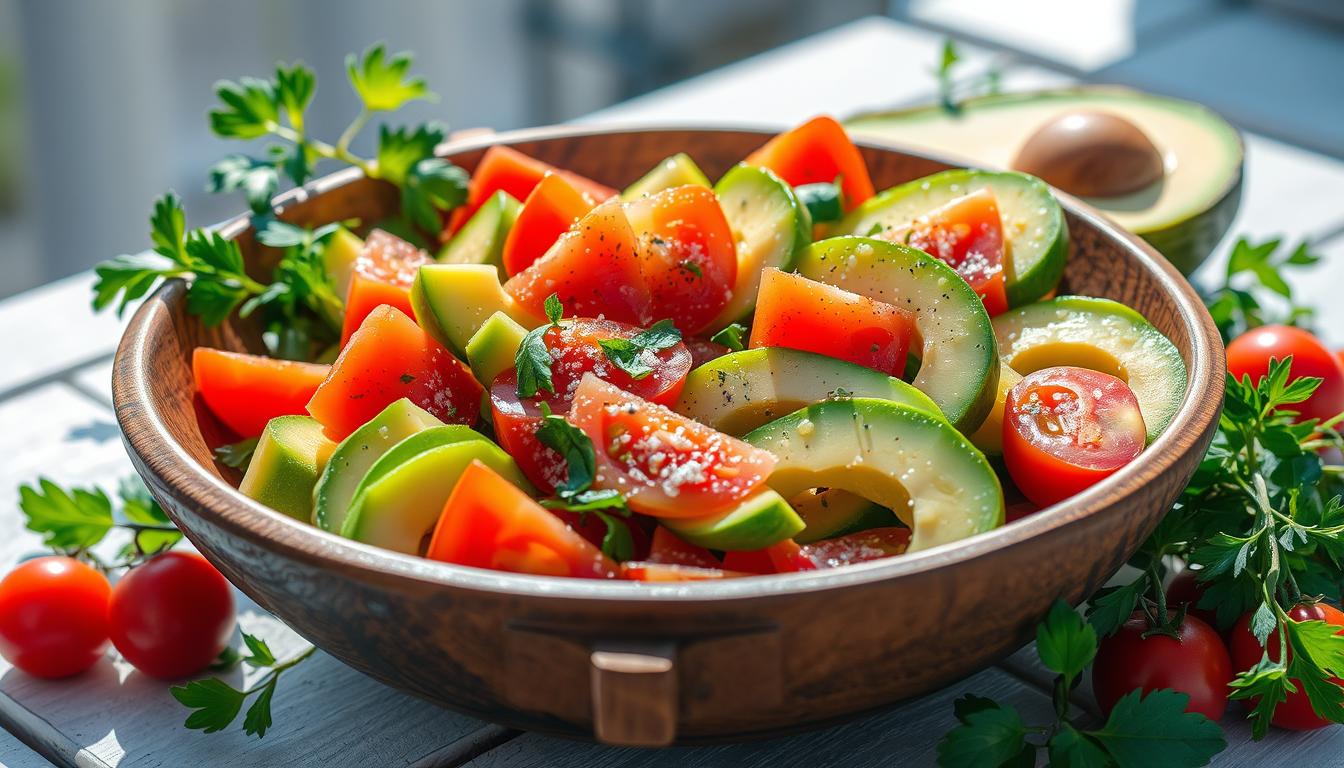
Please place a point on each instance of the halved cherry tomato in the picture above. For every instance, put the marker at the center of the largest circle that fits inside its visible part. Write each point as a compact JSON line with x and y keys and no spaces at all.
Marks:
{"x":1186,"y":590}
{"x":390,"y":259}
{"x":593,"y":268}
{"x":817,"y":151}
{"x":171,"y":616}
{"x":636,"y":570}
{"x":1067,"y":428}
{"x":1294,"y":712}
{"x":793,"y":311}
{"x":53,"y":616}
{"x":489,"y":522}
{"x":510,"y":170}
{"x":389,"y":358}
{"x":575,"y":348}
{"x":1195,"y":663}
{"x":1249,"y":355}
{"x":966,"y":234}
{"x":366,"y":294}
{"x":670,"y":549}
{"x":246,"y":391}
{"x":703,"y":350}
{"x":548,"y":212}
{"x":665,"y":464}
{"x":687,"y":254}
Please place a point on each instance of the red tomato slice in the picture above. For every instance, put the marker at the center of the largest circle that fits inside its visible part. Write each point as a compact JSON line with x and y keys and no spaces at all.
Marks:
{"x":814,"y":152}
{"x":703,"y":350}
{"x":246,"y":391}
{"x":593,"y":268}
{"x":966,"y":234}
{"x":489,"y":522}
{"x":547,"y":213}
{"x":872,"y":544}
{"x":670,"y":549}
{"x":665,"y":464}
{"x":1066,"y":428}
{"x":510,"y":170}
{"x":366,"y":294}
{"x":390,"y":259}
{"x":793,"y":311}
{"x":687,"y":254}
{"x":783,"y":557}
{"x":575,"y":350}
{"x":648,"y":571}
{"x":389,"y":358}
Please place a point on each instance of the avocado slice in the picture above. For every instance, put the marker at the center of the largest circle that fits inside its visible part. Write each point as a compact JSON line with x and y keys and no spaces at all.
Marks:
{"x":902,"y":458}
{"x":958,"y":360}
{"x":452,"y":301}
{"x":770,"y":226}
{"x":832,"y":512}
{"x":1102,"y":335}
{"x":989,"y":437}
{"x":338,"y":259}
{"x":492,"y":349}
{"x":675,"y":171}
{"x":1183,"y":215}
{"x":740,"y":391}
{"x":357,"y":453}
{"x":1034,"y":230}
{"x":759,"y":521}
{"x":289,"y":457}
{"x":398,"y":508}
{"x":481,"y":239}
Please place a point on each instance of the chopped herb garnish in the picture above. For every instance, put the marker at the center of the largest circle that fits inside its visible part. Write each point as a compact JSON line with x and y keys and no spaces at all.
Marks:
{"x":533,"y":359}
{"x":731,"y":337}
{"x":629,"y":354}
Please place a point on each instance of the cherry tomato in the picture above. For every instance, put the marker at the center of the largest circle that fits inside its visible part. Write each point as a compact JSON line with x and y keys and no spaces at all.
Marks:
{"x":687,"y":254}
{"x":1250,"y":353}
{"x":1186,"y":589}
{"x":575,"y":348}
{"x":1066,"y":428}
{"x":1194,"y":663}
{"x":53,"y":616}
{"x":967,"y":234}
{"x":1294,"y":712}
{"x":666,"y":464}
{"x":171,"y":616}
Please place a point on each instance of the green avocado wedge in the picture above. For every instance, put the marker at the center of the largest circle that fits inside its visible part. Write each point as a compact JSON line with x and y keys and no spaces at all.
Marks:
{"x":675,"y":171}
{"x":1102,"y":335}
{"x":481,"y":239}
{"x":959,"y":367}
{"x":290,"y":456}
{"x":904,"y":459}
{"x":833,"y":512}
{"x":740,"y":391}
{"x":756,"y":523}
{"x":452,"y":302}
{"x":1033,"y":223}
{"x":492,"y":349}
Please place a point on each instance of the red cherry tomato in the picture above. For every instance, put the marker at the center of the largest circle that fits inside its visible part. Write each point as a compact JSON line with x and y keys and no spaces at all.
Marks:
{"x":1194,"y":663}
{"x":171,"y":616}
{"x":1294,"y":712}
{"x":1066,"y":428}
{"x":1250,"y":353}
{"x":1186,"y":589}
{"x":53,"y":616}
{"x":967,"y":234}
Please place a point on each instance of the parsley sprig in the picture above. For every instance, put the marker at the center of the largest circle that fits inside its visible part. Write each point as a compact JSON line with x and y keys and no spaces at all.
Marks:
{"x":731,"y":337}
{"x":215,"y":704}
{"x":576,"y":494}
{"x":1150,"y":730}
{"x":631,"y":355}
{"x":532,"y":361}
{"x":73,"y":521}
{"x":1253,"y":291}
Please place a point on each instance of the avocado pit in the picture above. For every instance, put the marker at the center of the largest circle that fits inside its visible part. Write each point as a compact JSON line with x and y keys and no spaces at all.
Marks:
{"x":1091,"y":154}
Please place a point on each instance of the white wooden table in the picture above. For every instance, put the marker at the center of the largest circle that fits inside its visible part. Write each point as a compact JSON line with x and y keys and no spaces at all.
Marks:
{"x":55,"y":420}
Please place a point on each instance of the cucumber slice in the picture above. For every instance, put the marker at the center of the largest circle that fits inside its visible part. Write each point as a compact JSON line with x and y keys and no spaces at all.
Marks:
{"x":676,"y":171}
{"x":1033,"y":222}
{"x":757,"y":522}
{"x":770,"y":226}
{"x":959,"y":367}
{"x":1102,"y":335}
{"x":481,"y":239}
{"x":901,"y":458}
{"x":740,"y":391}
{"x":833,"y":512}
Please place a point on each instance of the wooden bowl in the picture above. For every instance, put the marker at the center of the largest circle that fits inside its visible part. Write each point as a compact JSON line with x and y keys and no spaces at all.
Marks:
{"x":634,"y":663}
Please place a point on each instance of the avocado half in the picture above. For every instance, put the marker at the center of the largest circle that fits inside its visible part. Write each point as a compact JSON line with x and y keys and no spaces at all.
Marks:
{"x":1183,"y":215}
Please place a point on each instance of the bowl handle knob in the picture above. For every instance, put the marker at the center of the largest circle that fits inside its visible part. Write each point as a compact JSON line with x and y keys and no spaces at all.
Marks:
{"x":634,"y":692}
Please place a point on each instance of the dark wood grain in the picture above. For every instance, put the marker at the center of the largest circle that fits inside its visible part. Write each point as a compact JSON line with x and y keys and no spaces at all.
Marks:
{"x":754,"y":657}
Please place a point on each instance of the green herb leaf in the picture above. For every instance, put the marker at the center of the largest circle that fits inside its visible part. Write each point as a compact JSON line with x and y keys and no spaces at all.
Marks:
{"x":237,"y":455}
{"x":630,"y":356}
{"x":249,"y":109}
{"x":617,"y":543}
{"x":258,"y":717}
{"x":382,"y":82}
{"x":1108,"y":609}
{"x":258,"y":179}
{"x":1266,"y":685}
{"x":575,"y":448}
{"x":1155,"y":731}
{"x":139,"y":508}
{"x":215,"y":702}
{"x":532,"y":361}
{"x":590,"y":501}
{"x":259,"y":652}
{"x":67,"y":520}
{"x":987,"y":736}
{"x":295,"y":85}
{"x":731,"y":337}
{"x":1069,"y":748}
{"x":1065,"y":642}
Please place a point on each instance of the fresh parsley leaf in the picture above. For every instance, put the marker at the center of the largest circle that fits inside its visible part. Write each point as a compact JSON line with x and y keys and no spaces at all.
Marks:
{"x":575,"y":448}
{"x":731,"y":337}
{"x":1065,"y":642}
{"x":154,"y":531}
{"x":295,"y":85}
{"x":1109,"y":608}
{"x":1070,"y":748}
{"x":381,"y":82}
{"x":691,"y":267}
{"x":258,"y":717}
{"x":258,"y":179}
{"x":532,"y":361}
{"x":1266,"y":685}
{"x":989,"y":735}
{"x":237,"y":455}
{"x":248,"y":109}
{"x":1155,"y":731}
{"x":215,"y":703}
{"x":629,"y":355}
{"x":1240,"y":303}
{"x":67,"y":520}
{"x":554,"y":309}
{"x":616,"y":542}
{"x":433,"y":185}
{"x":259,"y":652}
{"x":590,"y":501}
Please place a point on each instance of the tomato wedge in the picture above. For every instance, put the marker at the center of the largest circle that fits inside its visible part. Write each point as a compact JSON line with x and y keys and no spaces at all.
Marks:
{"x":366,"y":294}
{"x":547,"y":213}
{"x":795,"y":312}
{"x":1066,"y":428}
{"x":817,"y":151}
{"x":784,"y":557}
{"x":575,"y":348}
{"x":514,"y":172}
{"x":966,"y":234}
{"x":687,"y":254}
{"x":489,"y":522}
{"x":390,"y":259}
{"x":703,"y":350}
{"x":389,"y":358}
{"x":788,"y":557}
{"x":647,"y":571}
{"x":669,"y":549}
{"x":665,"y":464}
{"x":246,"y":391}
{"x":593,"y":268}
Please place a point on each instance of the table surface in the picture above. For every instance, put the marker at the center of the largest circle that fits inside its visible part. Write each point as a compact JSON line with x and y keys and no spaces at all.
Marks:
{"x":56,"y":421}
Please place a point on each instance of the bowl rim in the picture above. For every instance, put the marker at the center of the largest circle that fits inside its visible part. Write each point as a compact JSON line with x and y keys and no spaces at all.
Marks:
{"x":154,"y":451}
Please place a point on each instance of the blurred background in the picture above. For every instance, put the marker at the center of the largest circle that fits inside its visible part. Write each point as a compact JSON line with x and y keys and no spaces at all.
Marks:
{"x":102,"y":104}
